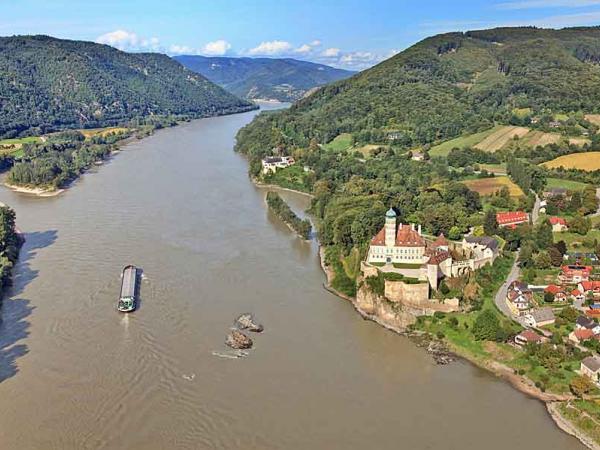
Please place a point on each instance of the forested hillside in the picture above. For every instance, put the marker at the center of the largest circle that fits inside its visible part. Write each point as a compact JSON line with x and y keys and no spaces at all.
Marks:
{"x":444,"y":86}
{"x":48,"y":84}
{"x":282,"y":79}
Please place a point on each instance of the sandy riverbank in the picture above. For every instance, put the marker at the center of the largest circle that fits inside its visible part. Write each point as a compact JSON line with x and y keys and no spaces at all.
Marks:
{"x":37,"y":191}
{"x":568,"y":427}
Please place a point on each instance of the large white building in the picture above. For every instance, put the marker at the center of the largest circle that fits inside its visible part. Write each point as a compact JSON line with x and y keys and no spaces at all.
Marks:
{"x":272,"y":163}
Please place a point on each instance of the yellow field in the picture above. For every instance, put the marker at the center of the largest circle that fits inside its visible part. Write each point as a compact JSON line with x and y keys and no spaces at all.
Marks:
{"x":593,"y":118}
{"x":588,"y":161}
{"x":489,"y":186}
{"x":91,"y":132}
{"x":501,"y":137}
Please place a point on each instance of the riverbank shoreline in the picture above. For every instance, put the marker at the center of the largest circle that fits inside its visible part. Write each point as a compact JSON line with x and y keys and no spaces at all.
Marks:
{"x":518,"y":382}
{"x":35,"y":191}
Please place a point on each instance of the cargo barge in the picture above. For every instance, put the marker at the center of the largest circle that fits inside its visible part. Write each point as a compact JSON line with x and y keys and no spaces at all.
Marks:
{"x":129,"y":289}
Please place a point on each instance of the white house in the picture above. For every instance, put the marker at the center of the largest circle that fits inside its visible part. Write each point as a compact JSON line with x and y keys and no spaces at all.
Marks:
{"x":272,"y":163}
{"x":539,"y":317}
{"x":590,"y":367}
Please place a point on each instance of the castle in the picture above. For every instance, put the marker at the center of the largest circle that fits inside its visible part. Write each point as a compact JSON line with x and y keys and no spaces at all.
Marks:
{"x":402,"y":249}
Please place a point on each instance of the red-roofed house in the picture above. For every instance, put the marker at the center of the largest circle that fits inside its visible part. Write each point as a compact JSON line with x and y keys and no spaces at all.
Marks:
{"x":590,"y":287}
{"x":560,"y":295}
{"x":577,"y":295}
{"x":580,"y":335}
{"x":526,"y":337}
{"x":574,"y":274}
{"x":559,"y":224}
{"x":512,"y":218}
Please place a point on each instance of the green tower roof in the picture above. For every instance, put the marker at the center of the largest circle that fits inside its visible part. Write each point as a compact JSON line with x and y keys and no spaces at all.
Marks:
{"x":391,"y":214}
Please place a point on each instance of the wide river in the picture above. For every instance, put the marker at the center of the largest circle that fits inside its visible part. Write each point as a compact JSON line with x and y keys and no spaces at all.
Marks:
{"x":76,"y":374}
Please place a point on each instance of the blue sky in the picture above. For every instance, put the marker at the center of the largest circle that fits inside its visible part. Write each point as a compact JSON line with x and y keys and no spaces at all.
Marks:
{"x":351,"y":34}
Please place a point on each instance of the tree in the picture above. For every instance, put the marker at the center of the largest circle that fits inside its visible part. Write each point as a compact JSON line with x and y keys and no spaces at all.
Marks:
{"x":486,"y":326}
{"x":569,"y":313}
{"x":543,"y":235}
{"x":556,"y":258}
{"x":581,"y":385}
{"x":542,"y":260}
{"x":561,"y":246}
{"x":580,"y":225}
{"x":490,"y":223}
{"x":454,"y":233}
{"x":526,"y":254}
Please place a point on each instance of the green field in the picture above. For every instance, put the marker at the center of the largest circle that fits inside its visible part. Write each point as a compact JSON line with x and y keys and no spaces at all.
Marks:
{"x":341,"y":142}
{"x":567,"y":184}
{"x":20,"y":141}
{"x":469,"y":140}
{"x":578,"y":242}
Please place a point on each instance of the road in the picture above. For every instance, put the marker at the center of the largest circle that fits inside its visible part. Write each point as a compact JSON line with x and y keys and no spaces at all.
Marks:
{"x":500,"y":298}
{"x":535,"y":214}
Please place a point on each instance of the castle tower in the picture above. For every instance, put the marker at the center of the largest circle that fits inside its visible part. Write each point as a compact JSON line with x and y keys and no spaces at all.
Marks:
{"x":390,"y":228}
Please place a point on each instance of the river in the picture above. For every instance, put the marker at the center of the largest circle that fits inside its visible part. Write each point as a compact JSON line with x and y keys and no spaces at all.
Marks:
{"x":76,"y":374}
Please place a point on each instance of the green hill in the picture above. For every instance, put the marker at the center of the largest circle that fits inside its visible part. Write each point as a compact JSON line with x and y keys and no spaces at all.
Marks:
{"x":48,"y":84}
{"x":283,"y":79}
{"x":443,"y":87}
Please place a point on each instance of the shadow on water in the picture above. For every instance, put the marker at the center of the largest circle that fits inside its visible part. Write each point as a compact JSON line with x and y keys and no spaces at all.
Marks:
{"x":14,"y":310}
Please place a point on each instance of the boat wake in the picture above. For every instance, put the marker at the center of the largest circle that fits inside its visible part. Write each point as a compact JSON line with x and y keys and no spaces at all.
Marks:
{"x":234,"y":354}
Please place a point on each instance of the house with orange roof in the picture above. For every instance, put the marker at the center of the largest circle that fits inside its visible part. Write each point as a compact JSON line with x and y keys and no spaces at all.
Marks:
{"x":590,"y":288}
{"x":580,"y":335}
{"x":559,"y":294}
{"x":559,"y":224}
{"x":511,"y":219}
{"x":574,"y":274}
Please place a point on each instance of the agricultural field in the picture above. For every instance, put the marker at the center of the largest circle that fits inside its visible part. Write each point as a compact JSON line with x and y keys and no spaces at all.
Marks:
{"x":579,"y":141}
{"x":489,"y":186}
{"x":496,"y":169}
{"x":535,"y":138}
{"x":588,"y":161}
{"x":469,"y":140}
{"x":13,"y":146}
{"x":593,"y":118}
{"x":91,"y":132}
{"x":501,"y":137}
{"x":367,"y":150}
{"x":567,"y":184}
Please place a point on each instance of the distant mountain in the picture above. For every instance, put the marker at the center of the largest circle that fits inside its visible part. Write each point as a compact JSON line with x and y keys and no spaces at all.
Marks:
{"x":264,"y":78}
{"x":442,"y":87}
{"x":48,"y":84}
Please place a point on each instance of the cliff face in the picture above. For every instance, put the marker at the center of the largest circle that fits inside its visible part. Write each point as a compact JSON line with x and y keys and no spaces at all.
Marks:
{"x":391,"y":315}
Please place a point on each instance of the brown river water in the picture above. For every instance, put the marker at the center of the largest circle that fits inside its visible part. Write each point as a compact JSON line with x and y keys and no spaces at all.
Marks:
{"x":76,"y":374}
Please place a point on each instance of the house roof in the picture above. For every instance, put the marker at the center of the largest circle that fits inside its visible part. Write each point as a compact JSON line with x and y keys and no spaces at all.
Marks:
{"x":590,"y":285}
{"x":583,"y":334}
{"x":576,"y":292}
{"x":571,"y":269}
{"x":592,"y":363}
{"x":405,"y":237}
{"x":558,"y":220}
{"x":486,"y":241}
{"x":542,"y":314}
{"x":530,"y":336}
{"x":441,"y":241}
{"x":272,"y":159}
{"x":554,"y":289}
{"x":585,"y":322}
{"x":504,"y":218}
{"x":438,"y":257}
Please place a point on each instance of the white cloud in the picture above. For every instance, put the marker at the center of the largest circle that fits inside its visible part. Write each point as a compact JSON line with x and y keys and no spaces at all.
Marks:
{"x":315,"y":43}
{"x":181,"y":50}
{"x":305,"y":48}
{"x":216,"y":48}
{"x":271,"y":48}
{"x":129,"y":41}
{"x":331,"y":52}
{"x":534,"y":4}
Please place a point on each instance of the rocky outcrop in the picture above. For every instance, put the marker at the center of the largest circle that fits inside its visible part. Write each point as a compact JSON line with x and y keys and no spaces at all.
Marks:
{"x":238,"y":340}
{"x":391,"y":315}
{"x":246,"y":322}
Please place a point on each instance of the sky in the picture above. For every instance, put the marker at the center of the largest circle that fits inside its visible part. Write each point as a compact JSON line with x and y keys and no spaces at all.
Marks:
{"x":350,"y":34}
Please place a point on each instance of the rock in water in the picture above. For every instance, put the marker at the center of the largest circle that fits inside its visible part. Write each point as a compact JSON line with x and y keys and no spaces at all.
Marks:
{"x":246,"y":322}
{"x":238,"y":340}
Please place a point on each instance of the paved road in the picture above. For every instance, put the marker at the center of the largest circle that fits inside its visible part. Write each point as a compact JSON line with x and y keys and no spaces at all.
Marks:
{"x":535,"y":214}
{"x":597,"y":213}
{"x":500,"y":298}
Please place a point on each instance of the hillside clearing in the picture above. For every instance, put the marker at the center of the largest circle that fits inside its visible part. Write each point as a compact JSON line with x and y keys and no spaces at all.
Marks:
{"x":593,"y":118}
{"x":489,"y":186}
{"x":91,"y":132}
{"x":535,"y":138}
{"x":588,"y":161}
{"x":567,"y":184}
{"x":339,"y":143}
{"x":500,"y":138}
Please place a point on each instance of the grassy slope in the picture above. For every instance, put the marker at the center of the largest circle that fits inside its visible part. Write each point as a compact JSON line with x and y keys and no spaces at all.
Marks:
{"x":469,"y":140}
{"x":588,"y":161}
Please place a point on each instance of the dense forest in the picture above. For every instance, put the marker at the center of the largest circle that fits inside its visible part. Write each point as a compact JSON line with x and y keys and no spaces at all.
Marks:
{"x":282,"y":79}
{"x":48,"y":84}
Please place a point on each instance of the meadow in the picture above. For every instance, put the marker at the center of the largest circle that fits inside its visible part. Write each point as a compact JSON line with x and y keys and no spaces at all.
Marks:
{"x":489,"y":186}
{"x":588,"y":161}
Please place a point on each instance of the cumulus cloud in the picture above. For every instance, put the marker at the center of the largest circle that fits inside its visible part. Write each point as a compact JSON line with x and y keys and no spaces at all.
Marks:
{"x":315,"y":43}
{"x":128,"y":41}
{"x":331,"y":52}
{"x":271,"y":48}
{"x":305,"y":48}
{"x":216,"y":48}
{"x":176,"y":49}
